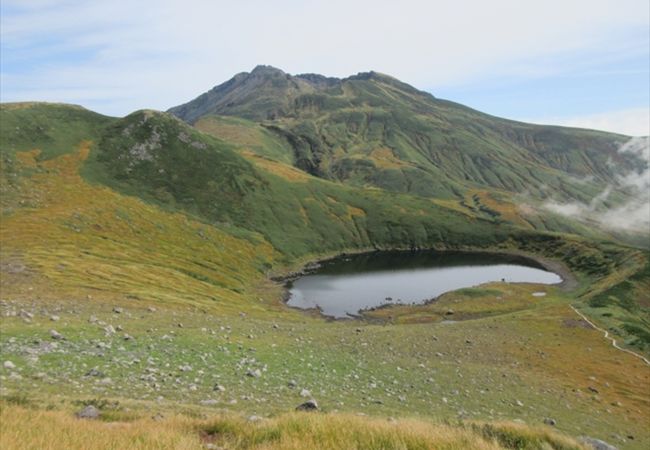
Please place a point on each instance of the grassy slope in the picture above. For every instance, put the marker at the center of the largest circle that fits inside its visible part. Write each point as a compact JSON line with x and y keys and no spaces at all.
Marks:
{"x":76,"y":249}
{"x":290,"y":431}
{"x":371,"y":129}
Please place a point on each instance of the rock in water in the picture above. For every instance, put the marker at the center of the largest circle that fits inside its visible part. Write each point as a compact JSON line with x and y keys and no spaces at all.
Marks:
{"x":309,"y":405}
{"x":89,"y":412}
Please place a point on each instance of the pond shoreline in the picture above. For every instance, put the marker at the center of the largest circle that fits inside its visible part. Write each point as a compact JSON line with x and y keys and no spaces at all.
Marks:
{"x":569,"y":281}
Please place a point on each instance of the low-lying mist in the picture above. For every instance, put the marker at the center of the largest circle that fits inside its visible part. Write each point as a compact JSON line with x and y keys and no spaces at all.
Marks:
{"x":631,"y":216}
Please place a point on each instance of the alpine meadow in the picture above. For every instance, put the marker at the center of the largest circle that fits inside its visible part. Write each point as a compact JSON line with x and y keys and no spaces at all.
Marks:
{"x":146,"y":263}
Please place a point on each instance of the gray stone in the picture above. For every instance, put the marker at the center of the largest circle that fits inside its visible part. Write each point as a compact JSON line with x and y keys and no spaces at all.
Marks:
{"x":596,"y":444}
{"x":89,"y":412}
{"x":549,"y":421}
{"x":305,"y":393}
{"x":56,"y":335}
{"x":94,"y":372}
{"x":9,"y":365}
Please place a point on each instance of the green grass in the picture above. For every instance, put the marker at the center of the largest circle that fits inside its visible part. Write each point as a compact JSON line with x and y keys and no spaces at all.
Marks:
{"x":150,"y":212}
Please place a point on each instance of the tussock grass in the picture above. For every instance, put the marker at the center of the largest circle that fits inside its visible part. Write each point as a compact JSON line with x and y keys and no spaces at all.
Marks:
{"x":28,"y":429}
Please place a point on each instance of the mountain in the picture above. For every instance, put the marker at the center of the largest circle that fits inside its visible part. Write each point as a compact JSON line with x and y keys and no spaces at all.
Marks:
{"x":139,"y":256}
{"x":373,"y":130}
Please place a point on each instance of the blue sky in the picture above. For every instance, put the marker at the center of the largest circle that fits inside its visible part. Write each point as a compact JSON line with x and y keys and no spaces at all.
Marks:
{"x":572,"y":62}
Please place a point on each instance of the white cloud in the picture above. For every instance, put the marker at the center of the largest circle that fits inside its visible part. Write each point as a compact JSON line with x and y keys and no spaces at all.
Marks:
{"x":632,"y":215}
{"x":187,"y":47}
{"x":631,"y":122}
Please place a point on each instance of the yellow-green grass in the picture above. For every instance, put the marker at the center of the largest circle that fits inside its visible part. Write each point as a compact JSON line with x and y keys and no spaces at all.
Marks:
{"x":536,"y":351}
{"x":78,"y":239}
{"x":76,"y":250}
{"x":24,"y":428}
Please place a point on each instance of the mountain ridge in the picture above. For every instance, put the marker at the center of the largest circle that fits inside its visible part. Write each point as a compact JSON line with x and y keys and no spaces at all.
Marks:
{"x":371,"y":129}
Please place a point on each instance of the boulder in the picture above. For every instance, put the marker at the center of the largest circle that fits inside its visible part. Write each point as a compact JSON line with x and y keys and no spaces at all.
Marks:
{"x":596,"y":444}
{"x":89,"y":412}
{"x":309,"y":405}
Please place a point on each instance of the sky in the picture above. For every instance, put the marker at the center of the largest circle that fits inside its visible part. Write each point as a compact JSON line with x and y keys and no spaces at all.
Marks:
{"x":569,"y":62}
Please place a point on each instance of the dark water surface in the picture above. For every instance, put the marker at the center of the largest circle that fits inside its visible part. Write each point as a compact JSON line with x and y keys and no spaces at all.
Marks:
{"x":343,"y":286}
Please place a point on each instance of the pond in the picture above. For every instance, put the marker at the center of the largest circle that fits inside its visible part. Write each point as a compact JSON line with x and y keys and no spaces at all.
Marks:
{"x":343,"y":286}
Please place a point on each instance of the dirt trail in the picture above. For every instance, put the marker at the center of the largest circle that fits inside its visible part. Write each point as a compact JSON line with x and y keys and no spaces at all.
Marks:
{"x":607,"y":336}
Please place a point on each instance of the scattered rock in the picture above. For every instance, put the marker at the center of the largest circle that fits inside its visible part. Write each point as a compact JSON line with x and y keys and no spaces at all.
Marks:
{"x":151,"y":309}
{"x":309,"y":405}
{"x":218,"y":388}
{"x":54,"y":318}
{"x":94,"y":372}
{"x":305,"y":393}
{"x":254,"y":373}
{"x":449,"y":312}
{"x":209,"y":402}
{"x":549,"y":421}
{"x":292,"y":384}
{"x":518,"y":403}
{"x":56,"y":335}
{"x":596,"y":444}
{"x":9,"y":365}
{"x":25,"y":315}
{"x":89,"y":412}
{"x":593,"y":389}
{"x":118,"y":310}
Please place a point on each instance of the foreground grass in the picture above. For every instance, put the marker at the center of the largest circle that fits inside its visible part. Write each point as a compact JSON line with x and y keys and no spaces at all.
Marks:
{"x":60,"y":429}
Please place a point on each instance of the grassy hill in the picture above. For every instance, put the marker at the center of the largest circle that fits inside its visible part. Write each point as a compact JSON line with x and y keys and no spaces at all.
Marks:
{"x":148,"y":245}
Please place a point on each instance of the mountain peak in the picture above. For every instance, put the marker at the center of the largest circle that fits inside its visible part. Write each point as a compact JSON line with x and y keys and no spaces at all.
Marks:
{"x":268,"y":93}
{"x":266,"y":70}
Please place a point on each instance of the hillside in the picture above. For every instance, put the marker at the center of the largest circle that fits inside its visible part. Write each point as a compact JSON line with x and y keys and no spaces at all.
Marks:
{"x":137,"y":257}
{"x":373,"y":130}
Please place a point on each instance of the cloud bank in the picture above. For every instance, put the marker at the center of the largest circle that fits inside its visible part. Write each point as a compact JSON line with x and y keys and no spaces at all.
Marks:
{"x":633,"y":215}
